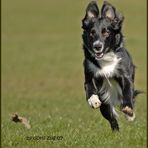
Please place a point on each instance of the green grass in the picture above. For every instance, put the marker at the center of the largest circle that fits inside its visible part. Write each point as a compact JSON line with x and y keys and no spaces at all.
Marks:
{"x":42,"y":76}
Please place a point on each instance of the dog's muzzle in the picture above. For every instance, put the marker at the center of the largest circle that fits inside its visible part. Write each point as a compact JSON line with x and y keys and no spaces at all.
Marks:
{"x":98,"y":49}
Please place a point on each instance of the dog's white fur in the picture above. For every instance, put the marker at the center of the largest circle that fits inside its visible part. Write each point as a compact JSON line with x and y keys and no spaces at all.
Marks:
{"x":94,"y":101}
{"x":111,"y":92}
{"x":109,"y":64}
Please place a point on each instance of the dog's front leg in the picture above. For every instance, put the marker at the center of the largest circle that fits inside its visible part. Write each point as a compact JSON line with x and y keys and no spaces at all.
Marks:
{"x":91,"y":95}
{"x":91,"y":91}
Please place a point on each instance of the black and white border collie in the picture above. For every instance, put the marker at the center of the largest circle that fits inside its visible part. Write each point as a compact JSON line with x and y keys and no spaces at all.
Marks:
{"x":108,"y":67}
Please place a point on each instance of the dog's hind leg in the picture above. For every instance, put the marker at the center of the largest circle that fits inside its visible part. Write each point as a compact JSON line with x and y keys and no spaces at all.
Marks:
{"x":128,"y":97}
{"x":128,"y":101}
{"x":108,"y":113}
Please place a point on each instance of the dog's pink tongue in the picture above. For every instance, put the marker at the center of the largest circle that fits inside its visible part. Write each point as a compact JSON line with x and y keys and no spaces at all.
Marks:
{"x":100,"y":55}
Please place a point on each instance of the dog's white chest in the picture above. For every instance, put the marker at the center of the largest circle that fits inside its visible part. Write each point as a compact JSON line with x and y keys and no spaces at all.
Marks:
{"x":109,"y":65}
{"x":111,"y":91}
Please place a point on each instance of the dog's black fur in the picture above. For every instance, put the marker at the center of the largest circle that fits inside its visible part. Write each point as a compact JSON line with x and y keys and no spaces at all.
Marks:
{"x":103,"y":41}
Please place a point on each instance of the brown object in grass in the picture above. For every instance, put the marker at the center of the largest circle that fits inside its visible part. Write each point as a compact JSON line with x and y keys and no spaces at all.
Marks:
{"x":16,"y":118}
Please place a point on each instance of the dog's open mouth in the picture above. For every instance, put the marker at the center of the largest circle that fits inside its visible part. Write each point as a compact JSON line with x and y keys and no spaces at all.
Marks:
{"x":99,"y":55}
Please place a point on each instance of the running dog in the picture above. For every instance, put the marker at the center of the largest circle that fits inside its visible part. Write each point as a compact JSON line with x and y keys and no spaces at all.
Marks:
{"x":108,"y":67}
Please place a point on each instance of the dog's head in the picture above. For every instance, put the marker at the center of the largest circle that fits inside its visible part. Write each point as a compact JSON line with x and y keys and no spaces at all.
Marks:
{"x":102,"y":32}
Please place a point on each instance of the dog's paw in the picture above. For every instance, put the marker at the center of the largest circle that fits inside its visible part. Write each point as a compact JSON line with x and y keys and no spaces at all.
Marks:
{"x":129,"y":113}
{"x":130,"y":118}
{"x":94,"y":101}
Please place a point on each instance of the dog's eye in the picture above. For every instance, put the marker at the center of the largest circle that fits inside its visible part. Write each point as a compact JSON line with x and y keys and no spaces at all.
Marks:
{"x":105,"y":32}
{"x":92,"y":33}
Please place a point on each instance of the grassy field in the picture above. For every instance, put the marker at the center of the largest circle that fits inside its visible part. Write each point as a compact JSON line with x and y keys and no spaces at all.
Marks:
{"x":42,"y":76}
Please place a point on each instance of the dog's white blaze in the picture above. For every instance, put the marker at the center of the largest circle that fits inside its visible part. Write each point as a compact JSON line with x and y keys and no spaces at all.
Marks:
{"x":109,"y":64}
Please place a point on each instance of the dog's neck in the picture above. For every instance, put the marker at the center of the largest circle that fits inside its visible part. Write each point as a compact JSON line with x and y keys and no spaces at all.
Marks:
{"x":109,"y":64}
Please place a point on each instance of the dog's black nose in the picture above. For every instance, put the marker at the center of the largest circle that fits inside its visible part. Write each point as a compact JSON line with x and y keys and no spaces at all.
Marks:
{"x":98,"y":46}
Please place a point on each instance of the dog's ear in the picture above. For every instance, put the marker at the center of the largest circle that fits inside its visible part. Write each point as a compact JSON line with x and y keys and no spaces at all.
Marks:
{"x":92,"y":12}
{"x":117,"y":22}
{"x":108,"y":11}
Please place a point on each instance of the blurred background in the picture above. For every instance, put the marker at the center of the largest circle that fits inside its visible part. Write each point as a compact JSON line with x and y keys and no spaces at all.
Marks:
{"x":42,"y":74}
